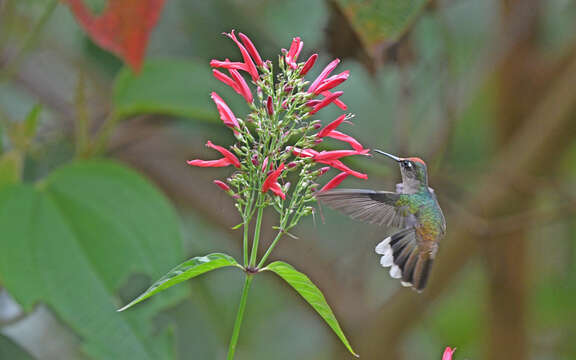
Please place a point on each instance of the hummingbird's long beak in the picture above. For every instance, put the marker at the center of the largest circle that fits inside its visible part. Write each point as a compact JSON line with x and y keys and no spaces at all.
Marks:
{"x":395,"y":158}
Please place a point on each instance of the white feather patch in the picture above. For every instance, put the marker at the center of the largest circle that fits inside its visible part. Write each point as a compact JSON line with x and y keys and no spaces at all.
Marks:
{"x":388,"y":258}
{"x":383,"y":246}
{"x":395,"y":272}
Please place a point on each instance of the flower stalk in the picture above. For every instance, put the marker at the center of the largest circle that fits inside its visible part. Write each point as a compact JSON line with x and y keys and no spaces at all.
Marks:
{"x":239,"y":317}
{"x":277,"y":145}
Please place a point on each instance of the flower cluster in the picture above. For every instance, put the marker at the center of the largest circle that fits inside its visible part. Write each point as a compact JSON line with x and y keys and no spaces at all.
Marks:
{"x":277,"y":142}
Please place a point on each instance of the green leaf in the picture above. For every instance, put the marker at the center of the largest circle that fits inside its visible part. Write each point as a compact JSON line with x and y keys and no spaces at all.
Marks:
{"x":380,"y":21}
{"x":31,"y":122}
{"x":171,"y":87}
{"x":73,"y":242}
{"x":185,"y":271}
{"x":10,"y":350}
{"x":10,"y":168}
{"x":310,"y":292}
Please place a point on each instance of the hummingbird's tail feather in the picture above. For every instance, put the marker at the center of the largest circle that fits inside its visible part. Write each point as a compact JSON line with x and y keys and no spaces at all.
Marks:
{"x":401,"y":253}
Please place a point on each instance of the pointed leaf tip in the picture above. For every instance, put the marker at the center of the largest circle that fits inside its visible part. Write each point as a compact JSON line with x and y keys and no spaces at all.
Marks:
{"x":185,"y":271}
{"x":312,"y":294}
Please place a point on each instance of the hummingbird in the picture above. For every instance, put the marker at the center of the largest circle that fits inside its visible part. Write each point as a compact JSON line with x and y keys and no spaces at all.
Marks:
{"x":412,"y":211}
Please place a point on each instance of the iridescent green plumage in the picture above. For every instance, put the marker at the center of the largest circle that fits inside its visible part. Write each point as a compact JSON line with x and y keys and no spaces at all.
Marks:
{"x":413,"y":209}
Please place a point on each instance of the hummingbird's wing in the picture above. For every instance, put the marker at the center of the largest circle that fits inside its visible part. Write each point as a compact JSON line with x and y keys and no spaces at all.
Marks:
{"x":408,"y":257}
{"x":373,"y":207}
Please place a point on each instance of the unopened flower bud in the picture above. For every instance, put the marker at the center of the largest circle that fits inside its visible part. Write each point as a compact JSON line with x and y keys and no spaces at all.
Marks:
{"x":312,"y":103}
{"x":269,"y":106}
{"x":317,"y":126}
{"x":287,"y":186}
{"x":255,"y":161}
{"x":308,"y":65}
{"x":307,"y":211}
{"x":318,"y":141}
{"x":285,"y":104}
{"x":288,"y":89}
{"x":323,"y":170}
{"x":222,"y":185}
{"x":292,"y":165}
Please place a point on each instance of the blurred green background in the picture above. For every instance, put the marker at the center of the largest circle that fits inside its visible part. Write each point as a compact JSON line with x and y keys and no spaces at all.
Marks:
{"x":483,"y":90}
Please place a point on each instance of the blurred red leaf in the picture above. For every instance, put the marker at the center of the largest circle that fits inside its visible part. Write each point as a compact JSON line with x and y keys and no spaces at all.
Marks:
{"x":123,"y":28}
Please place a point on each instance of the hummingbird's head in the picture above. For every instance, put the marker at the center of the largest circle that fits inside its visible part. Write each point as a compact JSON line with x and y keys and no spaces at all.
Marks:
{"x":413,"y":169}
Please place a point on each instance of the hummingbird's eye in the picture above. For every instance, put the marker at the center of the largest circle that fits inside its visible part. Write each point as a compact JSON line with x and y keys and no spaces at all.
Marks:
{"x":407,"y":164}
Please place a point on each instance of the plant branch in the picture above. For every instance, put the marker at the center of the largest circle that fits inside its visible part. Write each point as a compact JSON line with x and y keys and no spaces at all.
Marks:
{"x":254,"y":253}
{"x":239,"y":317}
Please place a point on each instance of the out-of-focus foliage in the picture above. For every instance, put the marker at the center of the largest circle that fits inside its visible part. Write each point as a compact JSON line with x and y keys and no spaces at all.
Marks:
{"x":123,"y":27}
{"x":74,"y":240}
{"x":380,"y":22}
{"x":170,"y":87}
{"x":10,"y":350}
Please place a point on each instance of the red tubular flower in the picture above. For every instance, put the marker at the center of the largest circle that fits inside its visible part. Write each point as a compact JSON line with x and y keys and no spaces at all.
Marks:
{"x":226,"y":115}
{"x":332,"y":82}
{"x":337,"y":164}
{"x":269,"y":106}
{"x":333,"y":125}
{"x":251,"y":49}
{"x":312,"y":103}
{"x":222,"y":185}
{"x":228,"y":65}
{"x":228,"y":159}
{"x":326,"y":101}
{"x":242,"y":86}
{"x":336,"y":180}
{"x":323,"y":75}
{"x":250,"y":67}
{"x":227,"y":153}
{"x":271,"y":182}
{"x":334,"y":134}
{"x":210,"y":163}
{"x":308,"y":64}
{"x":337,"y":102}
{"x":448,"y":353}
{"x":337,"y":154}
{"x":303,"y":152}
{"x":294,"y":52}
{"x":226,"y":80}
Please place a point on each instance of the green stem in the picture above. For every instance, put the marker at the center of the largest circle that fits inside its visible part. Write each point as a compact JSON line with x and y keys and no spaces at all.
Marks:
{"x":239,"y":318}
{"x":254,"y":253}
{"x":101,"y":141}
{"x":269,"y":251}
{"x":245,"y":242}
